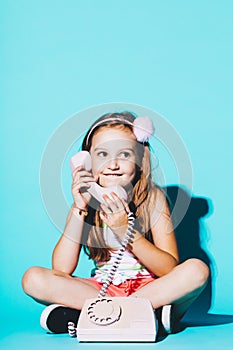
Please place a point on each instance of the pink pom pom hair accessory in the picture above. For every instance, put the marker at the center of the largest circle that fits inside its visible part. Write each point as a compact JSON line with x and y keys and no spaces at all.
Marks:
{"x":143,"y":127}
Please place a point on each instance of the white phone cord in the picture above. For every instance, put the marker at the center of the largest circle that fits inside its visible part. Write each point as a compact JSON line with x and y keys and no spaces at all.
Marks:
{"x":128,"y":239}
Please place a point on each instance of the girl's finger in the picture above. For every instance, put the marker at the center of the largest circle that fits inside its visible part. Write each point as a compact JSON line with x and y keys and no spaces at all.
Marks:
{"x":117,"y":201}
{"x":105,"y":209}
{"x":111,"y":203}
{"x":81,"y":174}
{"x":77,"y":170}
{"x":80,"y":187}
{"x":83,"y":180}
{"x":126,"y":206}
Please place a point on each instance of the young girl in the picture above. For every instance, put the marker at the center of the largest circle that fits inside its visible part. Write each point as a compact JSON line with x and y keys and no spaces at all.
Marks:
{"x":119,"y":149}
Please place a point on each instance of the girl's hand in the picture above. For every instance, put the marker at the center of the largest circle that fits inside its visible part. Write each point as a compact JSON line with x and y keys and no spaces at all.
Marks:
{"x":114,"y":214}
{"x":80,"y":185}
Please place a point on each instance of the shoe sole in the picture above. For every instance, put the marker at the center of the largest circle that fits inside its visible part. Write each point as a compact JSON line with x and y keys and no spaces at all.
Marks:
{"x":166,"y":318}
{"x":45,"y":314}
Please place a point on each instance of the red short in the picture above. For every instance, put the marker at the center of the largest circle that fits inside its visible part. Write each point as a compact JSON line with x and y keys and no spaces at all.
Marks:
{"x":124,"y":289}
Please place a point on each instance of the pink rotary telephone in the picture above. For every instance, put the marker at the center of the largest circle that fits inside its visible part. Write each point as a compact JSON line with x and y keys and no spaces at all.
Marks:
{"x":84,"y":158}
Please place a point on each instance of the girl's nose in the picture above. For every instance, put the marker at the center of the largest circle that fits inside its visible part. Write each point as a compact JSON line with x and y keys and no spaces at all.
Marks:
{"x":113,"y":164}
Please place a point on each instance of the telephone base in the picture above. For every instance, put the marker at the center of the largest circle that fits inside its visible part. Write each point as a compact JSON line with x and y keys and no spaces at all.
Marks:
{"x":115,"y":319}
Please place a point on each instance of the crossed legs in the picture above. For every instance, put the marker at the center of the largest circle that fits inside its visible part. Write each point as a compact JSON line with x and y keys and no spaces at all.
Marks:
{"x":180,"y":287}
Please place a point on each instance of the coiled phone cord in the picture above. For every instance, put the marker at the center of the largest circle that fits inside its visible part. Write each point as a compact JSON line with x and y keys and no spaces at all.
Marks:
{"x":128,"y":239}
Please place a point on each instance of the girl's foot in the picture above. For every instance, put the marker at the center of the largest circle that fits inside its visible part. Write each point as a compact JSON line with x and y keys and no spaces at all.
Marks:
{"x":55,"y":318}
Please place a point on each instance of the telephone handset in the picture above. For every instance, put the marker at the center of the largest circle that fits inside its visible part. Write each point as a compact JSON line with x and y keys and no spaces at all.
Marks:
{"x":113,"y":318}
{"x":84,"y":158}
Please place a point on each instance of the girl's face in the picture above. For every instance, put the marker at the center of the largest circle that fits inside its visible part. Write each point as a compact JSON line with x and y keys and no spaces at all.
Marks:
{"x":114,"y":157}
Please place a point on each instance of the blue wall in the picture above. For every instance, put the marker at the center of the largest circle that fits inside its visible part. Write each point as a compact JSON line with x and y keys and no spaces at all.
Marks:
{"x":60,"y":57}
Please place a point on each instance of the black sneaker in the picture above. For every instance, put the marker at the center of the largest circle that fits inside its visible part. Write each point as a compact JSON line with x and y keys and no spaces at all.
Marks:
{"x":55,"y":318}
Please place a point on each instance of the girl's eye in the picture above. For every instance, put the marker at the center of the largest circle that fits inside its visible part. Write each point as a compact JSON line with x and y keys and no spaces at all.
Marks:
{"x":124,"y":155}
{"x":102,"y":154}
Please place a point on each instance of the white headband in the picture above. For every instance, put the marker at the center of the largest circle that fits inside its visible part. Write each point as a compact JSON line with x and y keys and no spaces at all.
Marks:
{"x":143,"y":127}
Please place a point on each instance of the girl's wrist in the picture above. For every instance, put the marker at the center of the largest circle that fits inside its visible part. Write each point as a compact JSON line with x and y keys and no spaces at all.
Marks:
{"x":136,"y":240}
{"x":79,"y":210}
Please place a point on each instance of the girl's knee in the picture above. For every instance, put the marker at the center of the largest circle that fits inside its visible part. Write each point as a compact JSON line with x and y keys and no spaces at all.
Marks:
{"x":198,"y":270}
{"x":32,"y":278}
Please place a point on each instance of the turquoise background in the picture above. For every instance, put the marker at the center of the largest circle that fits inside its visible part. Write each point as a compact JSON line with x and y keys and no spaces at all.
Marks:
{"x":60,"y":57}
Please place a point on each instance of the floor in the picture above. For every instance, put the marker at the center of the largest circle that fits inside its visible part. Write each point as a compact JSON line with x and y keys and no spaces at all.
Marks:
{"x":209,"y":332}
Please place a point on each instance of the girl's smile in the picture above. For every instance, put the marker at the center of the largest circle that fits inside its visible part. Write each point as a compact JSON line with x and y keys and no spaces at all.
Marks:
{"x":114,"y":157}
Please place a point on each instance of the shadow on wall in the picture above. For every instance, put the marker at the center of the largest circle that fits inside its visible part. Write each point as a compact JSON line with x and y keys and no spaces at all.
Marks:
{"x":191,"y":238}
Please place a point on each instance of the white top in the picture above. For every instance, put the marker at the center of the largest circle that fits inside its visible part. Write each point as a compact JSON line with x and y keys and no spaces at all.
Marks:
{"x":129,"y":268}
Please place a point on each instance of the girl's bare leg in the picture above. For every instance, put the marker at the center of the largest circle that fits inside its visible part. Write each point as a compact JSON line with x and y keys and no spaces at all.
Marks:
{"x":55,"y":287}
{"x":179,"y":287}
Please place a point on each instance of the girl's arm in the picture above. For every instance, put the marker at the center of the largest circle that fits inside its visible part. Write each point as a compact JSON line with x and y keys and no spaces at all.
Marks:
{"x":66,"y":252}
{"x":162,"y":256}
{"x":159,"y":257}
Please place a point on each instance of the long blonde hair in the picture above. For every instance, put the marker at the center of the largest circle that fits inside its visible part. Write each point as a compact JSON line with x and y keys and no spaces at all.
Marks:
{"x":143,"y":194}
